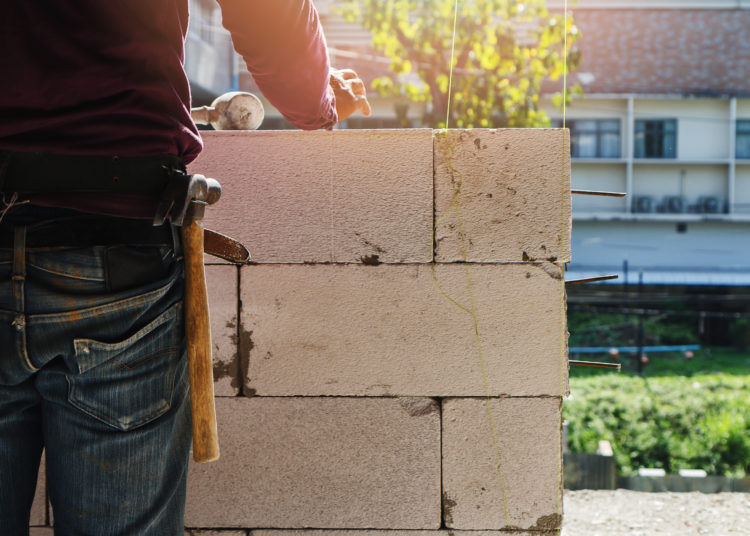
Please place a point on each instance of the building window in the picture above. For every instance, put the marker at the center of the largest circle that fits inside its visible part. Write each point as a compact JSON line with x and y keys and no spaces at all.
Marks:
{"x":593,"y":138}
{"x":743,"y":138}
{"x":656,"y":139}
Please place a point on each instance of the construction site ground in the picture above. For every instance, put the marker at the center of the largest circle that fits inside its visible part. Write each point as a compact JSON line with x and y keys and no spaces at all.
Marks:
{"x":633,"y":513}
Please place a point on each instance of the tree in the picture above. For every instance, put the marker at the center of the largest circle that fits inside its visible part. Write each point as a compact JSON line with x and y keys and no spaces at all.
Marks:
{"x":504,"y":51}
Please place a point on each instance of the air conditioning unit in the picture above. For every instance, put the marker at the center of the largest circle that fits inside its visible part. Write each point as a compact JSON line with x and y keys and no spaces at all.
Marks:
{"x":709,"y":205}
{"x":674,"y":204}
{"x":643,"y":203}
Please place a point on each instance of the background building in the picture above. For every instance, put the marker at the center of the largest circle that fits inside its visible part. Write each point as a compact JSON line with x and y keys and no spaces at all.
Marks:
{"x":210,"y":61}
{"x":666,"y":119}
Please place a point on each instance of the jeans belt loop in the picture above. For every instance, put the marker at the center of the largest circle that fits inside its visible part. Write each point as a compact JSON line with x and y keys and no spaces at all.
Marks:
{"x":19,"y":274}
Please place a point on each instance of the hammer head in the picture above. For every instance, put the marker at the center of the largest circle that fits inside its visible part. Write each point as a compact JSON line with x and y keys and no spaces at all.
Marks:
{"x":237,"y":111}
{"x":181,"y":192}
{"x":203,"y":190}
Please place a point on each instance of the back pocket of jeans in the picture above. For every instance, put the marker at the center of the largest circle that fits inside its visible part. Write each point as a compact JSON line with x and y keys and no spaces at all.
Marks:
{"x":129,"y":383}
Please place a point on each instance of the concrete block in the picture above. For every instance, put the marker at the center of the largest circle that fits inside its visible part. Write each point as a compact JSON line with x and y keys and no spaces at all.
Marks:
{"x":222,"y":284}
{"x":390,"y":330}
{"x":338,"y":196}
{"x":511,"y":188}
{"x":513,"y":481}
{"x":38,"y":514}
{"x":321,"y":462}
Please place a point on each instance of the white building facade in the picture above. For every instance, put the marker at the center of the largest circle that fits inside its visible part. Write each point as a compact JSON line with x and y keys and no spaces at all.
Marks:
{"x":684,"y":163}
{"x":666,"y":120}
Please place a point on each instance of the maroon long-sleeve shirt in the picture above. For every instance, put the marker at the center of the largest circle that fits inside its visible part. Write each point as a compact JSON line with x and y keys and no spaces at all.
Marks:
{"x":107,"y":78}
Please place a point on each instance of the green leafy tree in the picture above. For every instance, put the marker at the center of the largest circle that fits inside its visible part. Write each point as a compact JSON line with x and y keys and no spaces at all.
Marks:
{"x":504,"y":50}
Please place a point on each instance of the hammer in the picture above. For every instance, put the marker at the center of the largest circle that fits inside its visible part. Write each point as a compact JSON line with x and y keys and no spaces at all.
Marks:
{"x":184,"y":202}
{"x":201,"y":192}
{"x":236,"y":110}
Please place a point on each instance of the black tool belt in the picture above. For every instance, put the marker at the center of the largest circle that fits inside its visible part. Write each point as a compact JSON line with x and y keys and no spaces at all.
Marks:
{"x":88,"y":231}
{"x":42,"y":173}
{"x":164,"y":177}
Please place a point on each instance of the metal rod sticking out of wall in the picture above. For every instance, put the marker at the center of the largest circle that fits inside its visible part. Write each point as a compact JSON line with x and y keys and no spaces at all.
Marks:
{"x":591,"y":279}
{"x":597,"y":192}
{"x":596,"y":364}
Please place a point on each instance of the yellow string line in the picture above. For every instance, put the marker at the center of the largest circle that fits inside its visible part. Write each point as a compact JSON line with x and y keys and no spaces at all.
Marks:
{"x":450,"y":76}
{"x":563,"y":226}
{"x":451,"y":209}
{"x":472,"y":309}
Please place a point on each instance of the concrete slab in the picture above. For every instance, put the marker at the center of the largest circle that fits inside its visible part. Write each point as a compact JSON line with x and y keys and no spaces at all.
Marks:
{"x":338,"y":196}
{"x":321,"y":462}
{"x":506,"y":191}
{"x":392,"y":331}
{"x":509,"y":479}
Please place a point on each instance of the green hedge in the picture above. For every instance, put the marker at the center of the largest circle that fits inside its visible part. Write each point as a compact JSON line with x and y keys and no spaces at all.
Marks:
{"x":702,"y":422}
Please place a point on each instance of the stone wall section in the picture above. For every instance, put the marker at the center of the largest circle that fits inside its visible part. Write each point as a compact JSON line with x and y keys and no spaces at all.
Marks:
{"x":393,"y":361}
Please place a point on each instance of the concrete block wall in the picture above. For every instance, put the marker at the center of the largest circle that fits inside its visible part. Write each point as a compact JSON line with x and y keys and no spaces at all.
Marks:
{"x":394,"y":360}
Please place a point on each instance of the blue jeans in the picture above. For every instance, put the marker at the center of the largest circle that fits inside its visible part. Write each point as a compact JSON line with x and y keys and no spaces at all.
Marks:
{"x":93,"y":371}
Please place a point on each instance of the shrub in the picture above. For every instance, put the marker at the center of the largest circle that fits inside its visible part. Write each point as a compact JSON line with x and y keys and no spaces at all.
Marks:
{"x":671,"y":422}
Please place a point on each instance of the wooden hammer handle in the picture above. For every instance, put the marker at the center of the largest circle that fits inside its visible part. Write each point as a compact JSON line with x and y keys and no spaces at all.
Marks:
{"x":198,"y":334}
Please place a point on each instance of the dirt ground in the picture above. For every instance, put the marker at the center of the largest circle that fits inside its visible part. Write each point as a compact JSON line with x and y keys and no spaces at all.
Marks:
{"x":632,"y":513}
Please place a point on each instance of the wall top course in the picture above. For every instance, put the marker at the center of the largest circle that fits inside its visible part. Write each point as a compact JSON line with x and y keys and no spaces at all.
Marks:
{"x":351,"y":196}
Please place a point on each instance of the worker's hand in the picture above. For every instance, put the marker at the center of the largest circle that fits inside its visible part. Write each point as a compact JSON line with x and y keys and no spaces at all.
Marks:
{"x":350,"y":93}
